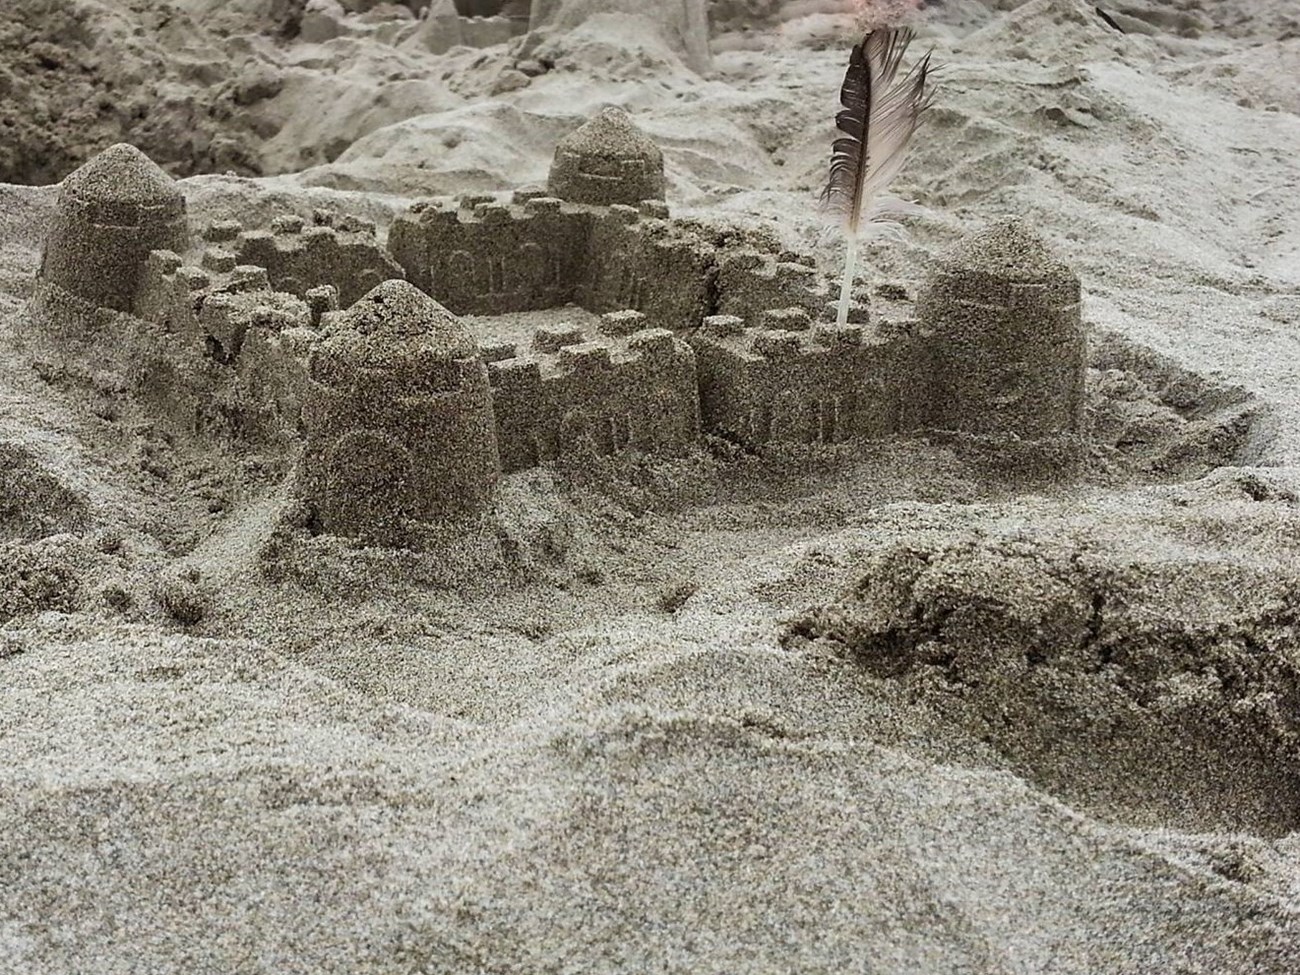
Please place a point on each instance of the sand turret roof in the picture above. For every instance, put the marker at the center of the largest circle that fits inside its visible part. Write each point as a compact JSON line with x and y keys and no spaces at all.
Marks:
{"x":122,"y":174}
{"x":611,"y":133}
{"x":1006,"y":248}
{"x":396,"y":321}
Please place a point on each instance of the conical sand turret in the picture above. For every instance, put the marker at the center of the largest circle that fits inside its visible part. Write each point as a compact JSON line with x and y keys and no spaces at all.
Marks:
{"x":111,"y":213}
{"x":1009,"y":344}
{"x":606,"y":161}
{"x":398,"y":418}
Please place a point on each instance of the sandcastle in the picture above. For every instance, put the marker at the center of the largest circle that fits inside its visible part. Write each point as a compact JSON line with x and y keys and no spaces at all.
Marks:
{"x":1009,"y":347}
{"x":398,"y":418}
{"x":474,"y":23}
{"x":356,"y":347}
{"x":608,"y":161}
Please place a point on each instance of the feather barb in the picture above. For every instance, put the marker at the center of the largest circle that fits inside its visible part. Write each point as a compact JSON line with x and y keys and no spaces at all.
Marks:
{"x":879,"y":113}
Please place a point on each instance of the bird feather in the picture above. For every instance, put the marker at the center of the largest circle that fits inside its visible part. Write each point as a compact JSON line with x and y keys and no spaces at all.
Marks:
{"x":879,"y":113}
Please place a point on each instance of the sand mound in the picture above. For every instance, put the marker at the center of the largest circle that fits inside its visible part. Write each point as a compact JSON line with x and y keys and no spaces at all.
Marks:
{"x":1258,"y":78}
{"x":609,"y":45}
{"x":33,"y":501}
{"x":1134,"y":672}
{"x":366,"y":84}
{"x":699,"y":835}
{"x":39,"y":576}
{"x":82,"y":75}
{"x":276,"y":18}
{"x":488,"y":146}
{"x":1256,"y":19}
{"x":1049,"y":31}
{"x":200,"y":87}
{"x":1150,"y":416}
{"x":683,"y":25}
{"x":494,"y":146}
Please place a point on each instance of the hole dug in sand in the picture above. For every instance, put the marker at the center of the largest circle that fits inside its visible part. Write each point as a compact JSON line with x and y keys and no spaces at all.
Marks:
{"x":1157,"y":687}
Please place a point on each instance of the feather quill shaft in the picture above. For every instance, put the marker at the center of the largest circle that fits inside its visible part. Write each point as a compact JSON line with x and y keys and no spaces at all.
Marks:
{"x":879,"y":114}
{"x":846,"y":285}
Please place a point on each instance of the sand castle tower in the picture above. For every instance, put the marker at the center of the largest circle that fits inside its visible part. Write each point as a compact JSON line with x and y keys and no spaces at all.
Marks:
{"x":398,"y":417}
{"x":111,"y":213}
{"x":682,"y":24}
{"x":440,"y":30}
{"x":606,"y":161}
{"x":1009,"y":344}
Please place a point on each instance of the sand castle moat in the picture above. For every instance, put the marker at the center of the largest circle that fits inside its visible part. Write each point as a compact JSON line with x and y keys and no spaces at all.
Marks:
{"x":356,"y":346}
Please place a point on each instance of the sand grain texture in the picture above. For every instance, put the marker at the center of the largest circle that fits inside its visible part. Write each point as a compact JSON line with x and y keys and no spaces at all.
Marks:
{"x":882,"y":710}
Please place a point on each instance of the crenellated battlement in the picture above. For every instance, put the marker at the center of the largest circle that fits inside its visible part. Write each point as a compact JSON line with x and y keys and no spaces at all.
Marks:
{"x":479,"y":255}
{"x":750,"y":282}
{"x":789,"y":379}
{"x":212,"y":306}
{"x":253,"y":337}
{"x":339,"y":250}
{"x":482,"y":255}
{"x":625,"y":387}
{"x":642,"y":260}
{"x":332,"y":261}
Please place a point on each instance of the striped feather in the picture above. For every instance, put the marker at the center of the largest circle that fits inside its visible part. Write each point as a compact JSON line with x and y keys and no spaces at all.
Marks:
{"x":879,"y":114}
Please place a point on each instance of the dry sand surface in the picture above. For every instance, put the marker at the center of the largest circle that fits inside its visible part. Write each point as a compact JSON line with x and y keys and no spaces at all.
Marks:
{"x":882,"y":710}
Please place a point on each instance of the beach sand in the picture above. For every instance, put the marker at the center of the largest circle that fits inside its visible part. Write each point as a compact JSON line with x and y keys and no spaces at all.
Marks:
{"x":880,"y":709}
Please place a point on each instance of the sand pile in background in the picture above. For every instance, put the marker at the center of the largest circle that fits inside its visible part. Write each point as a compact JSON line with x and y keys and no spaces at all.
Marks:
{"x":877,"y":712}
{"x":79,"y":76}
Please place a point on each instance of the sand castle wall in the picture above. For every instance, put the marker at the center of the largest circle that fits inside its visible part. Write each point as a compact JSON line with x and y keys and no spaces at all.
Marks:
{"x":479,"y":256}
{"x":251,"y":337}
{"x":333,"y":250}
{"x":785,"y":380}
{"x":626,"y":388}
{"x":638,"y":259}
{"x":750,"y":282}
{"x":601,"y":236}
